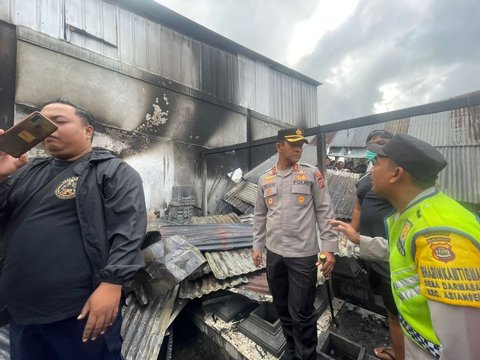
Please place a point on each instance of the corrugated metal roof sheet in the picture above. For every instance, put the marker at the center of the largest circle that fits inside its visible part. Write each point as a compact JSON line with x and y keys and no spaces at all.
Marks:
{"x":226,"y":264}
{"x":257,"y":282}
{"x":231,"y":218}
{"x":238,"y":204}
{"x":455,"y":133}
{"x":144,"y":327}
{"x":343,"y":192}
{"x":247,"y":193}
{"x":211,"y":237}
{"x":167,"y":263}
{"x":244,"y":191}
{"x":356,"y":137}
{"x":460,"y":127}
{"x":246,"y":218}
{"x":206,"y":285}
{"x":460,"y":178}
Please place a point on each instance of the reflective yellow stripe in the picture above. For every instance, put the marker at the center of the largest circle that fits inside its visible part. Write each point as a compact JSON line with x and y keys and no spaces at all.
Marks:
{"x":407,"y":282}
{"x":407,"y":294}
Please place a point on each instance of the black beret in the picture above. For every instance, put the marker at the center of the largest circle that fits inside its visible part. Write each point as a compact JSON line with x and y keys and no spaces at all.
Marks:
{"x":422,"y":160}
{"x":291,"y":135}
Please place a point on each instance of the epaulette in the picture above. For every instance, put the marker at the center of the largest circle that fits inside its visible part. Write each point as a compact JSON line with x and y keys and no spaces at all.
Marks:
{"x":311,"y":167}
{"x":308,"y":165}
{"x":268,"y":170}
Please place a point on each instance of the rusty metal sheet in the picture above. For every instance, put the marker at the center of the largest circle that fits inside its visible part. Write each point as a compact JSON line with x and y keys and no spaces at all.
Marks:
{"x":225,"y":264}
{"x":206,"y":285}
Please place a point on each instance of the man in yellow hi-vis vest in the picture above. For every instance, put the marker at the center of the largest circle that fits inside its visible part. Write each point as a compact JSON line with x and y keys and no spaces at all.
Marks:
{"x":434,"y":251}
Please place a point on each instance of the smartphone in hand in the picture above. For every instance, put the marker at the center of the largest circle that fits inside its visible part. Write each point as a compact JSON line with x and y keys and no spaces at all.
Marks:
{"x":26,"y":134}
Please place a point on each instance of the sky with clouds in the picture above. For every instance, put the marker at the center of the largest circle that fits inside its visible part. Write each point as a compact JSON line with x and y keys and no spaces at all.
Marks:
{"x":371,"y":56}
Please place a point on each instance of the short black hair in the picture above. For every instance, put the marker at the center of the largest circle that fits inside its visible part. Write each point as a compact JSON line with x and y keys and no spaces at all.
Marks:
{"x":86,"y":116}
{"x":420,"y":183}
{"x":384,"y":134}
{"x":423,"y":183}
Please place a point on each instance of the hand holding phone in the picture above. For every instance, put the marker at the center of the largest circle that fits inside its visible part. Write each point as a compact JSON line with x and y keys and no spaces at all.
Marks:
{"x":26,"y":134}
{"x":9,"y":164}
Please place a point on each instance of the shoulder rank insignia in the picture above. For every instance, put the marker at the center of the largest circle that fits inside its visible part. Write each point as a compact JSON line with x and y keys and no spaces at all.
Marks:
{"x":407,"y":226}
{"x":319,"y":177}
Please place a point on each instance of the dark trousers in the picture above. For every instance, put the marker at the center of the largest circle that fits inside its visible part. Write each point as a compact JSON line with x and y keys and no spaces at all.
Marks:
{"x":62,"y":340}
{"x":292,"y":283}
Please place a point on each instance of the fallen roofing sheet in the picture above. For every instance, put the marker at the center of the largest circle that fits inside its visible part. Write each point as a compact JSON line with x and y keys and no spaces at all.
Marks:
{"x":343,"y":191}
{"x":226,"y":264}
{"x":144,"y":327}
{"x":238,"y":204}
{"x":246,"y":219}
{"x":231,"y":218}
{"x":244,"y":191}
{"x":212,"y":237}
{"x":256,"y":289}
{"x":168,"y":262}
{"x":206,"y":285}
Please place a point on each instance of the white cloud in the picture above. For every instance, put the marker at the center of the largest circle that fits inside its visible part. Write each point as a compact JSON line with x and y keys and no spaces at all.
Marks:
{"x":327,"y":17}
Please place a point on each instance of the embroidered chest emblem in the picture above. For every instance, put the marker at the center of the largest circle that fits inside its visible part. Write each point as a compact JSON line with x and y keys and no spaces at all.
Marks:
{"x":301,"y":199}
{"x":67,"y":188}
{"x":442,"y":252}
{"x":269,"y":191}
{"x":270,"y":201}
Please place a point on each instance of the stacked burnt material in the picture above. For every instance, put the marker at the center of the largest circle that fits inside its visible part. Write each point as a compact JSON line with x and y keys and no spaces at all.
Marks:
{"x":209,"y":260}
{"x":180,"y":208}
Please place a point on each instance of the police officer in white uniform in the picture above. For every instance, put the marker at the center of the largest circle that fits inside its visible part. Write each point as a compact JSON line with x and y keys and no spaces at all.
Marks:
{"x":292,"y":199}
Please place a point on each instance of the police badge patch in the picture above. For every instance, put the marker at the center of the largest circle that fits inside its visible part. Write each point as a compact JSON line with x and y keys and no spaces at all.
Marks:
{"x":67,"y":188}
{"x":442,"y":252}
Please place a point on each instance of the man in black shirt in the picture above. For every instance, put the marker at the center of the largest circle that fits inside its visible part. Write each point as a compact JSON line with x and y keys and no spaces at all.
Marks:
{"x":367,"y":219}
{"x":67,"y":261}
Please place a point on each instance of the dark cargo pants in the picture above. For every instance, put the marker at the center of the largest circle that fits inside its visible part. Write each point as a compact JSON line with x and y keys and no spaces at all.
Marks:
{"x":292,"y":283}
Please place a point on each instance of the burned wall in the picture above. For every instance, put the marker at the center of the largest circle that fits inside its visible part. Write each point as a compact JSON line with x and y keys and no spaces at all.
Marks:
{"x":160,"y":132}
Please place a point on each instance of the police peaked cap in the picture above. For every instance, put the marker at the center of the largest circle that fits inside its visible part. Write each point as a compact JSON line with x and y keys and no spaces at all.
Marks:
{"x":422,"y":160}
{"x":291,"y":135}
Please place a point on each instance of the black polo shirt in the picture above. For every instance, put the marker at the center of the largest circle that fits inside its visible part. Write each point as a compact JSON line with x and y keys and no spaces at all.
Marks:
{"x":47,"y":276}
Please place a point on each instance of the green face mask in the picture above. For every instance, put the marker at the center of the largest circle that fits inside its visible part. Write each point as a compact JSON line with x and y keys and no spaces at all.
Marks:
{"x":371,"y":156}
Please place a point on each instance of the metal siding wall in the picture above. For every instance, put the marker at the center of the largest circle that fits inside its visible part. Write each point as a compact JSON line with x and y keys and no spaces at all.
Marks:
{"x":166,"y":53}
{"x":139,"y":42}
{"x":122,"y":35}
{"x":25,"y":13}
{"x":51,"y":17}
{"x":5,"y":11}
{"x":246,"y":82}
{"x":449,"y":128}
{"x":154,"y":48}
{"x":460,"y":180}
{"x":262,"y":93}
{"x":125,"y":36}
